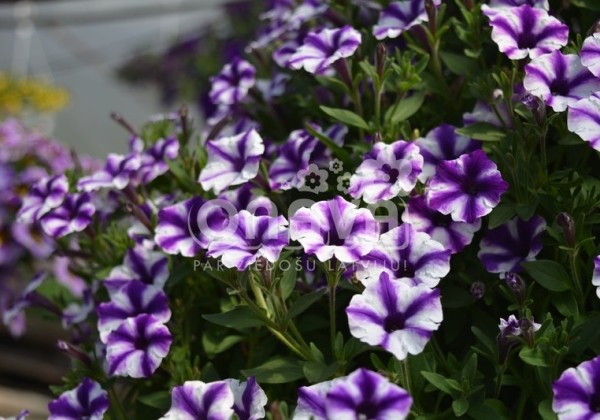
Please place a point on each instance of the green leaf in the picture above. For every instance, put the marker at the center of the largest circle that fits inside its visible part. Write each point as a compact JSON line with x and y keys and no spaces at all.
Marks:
{"x":460,"y":406}
{"x":545,"y":410}
{"x":565,"y":303}
{"x":278,"y":370}
{"x":533,"y":356}
{"x":482,"y":131}
{"x":406,"y":108}
{"x":182,"y":175}
{"x":459,"y":64}
{"x":160,"y":400}
{"x":343,"y":155}
{"x":502,"y":213}
{"x":214,"y":342}
{"x":549,"y":274}
{"x":319,"y":372}
{"x":240,"y":317}
{"x":288,"y":281}
{"x":449,"y":386}
{"x":305,"y":301}
{"x":587,"y":4}
{"x":346,"y":117}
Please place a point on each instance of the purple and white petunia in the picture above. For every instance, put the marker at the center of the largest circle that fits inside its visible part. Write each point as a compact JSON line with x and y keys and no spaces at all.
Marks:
{"x":140,"y":263}
{"x":198,"y":400}
{"x":467,"y":188}
{"x":560,"y":80}
{"x":454,"y":236}
{"x":502,"y":5}
{"x":87,"y":401}
{"x":442,"y":143}
{"x":590,"y":53}
{"x":388,"y":171}
{"x":153,"y":160}
{"x":25,"y":299}
{"x":335,"y":228}
{"x":133,"y":299}
{"x":232,"y":160}
{"x":249,"y":237}
{"x":584,"y":120}
{"x":321,"y":49}
{"x":527,"y":32}
{"x":32,"y":238}
{"x":596,"y":275}
{"x":73,"y":215}
{"x":293,"y":157}
{"x":118,"y":172}
{"x":407,"y":255}
{"x":361,"y":395}
{"x":232,"y":84}
{"x":577,"y":392}
{"x":397,"y":316}
{"x":400,"y":16}
{"x":137,"y":347}
{"x":505,"y":247}
{"x":249,"y":399}
{"x":46,"y":194}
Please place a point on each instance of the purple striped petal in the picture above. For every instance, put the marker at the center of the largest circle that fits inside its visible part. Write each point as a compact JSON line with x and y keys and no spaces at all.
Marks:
{"x":73,"y":215}
{"x":119,"y":171}
{"x":560,"y":80}
{"x":467,"y":188}
{"x":140,"y":263}
{"x":392,"y":172}
{"x":590,"y":53}
{"x":249,"y":399}
{"x":137,"y":347}
{"x":45,"y":195}
{"x":293,"y":157}
{"x":400,"y":16}
{"x":577,"y":392}
{"x":596,"y":275}
{"x":505,"y":247}
{"x":32,"y":238}
{"x":584,"y":120}
{"x":232,"y":161}
{"x":231,"y":86}
{"x":198,"y":400}
{"x":153,"y":160}
{"x":312,"y":401}
{"x":87,"y":401}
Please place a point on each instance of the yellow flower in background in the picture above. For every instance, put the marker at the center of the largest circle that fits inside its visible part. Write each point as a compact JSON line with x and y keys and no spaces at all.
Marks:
{"x":20,"y":94}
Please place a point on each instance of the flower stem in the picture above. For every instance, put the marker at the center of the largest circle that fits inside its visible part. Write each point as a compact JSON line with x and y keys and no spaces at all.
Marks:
{"x":333,"y":277}
{"x":115,"y":404}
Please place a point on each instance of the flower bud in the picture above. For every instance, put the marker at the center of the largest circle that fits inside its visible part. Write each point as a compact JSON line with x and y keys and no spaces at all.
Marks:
{"x":536,"y":106}
{"x":565,"y":221}
{"x":516,"y":284}
{"x":380,"y":58}
{"x":477,"y":290}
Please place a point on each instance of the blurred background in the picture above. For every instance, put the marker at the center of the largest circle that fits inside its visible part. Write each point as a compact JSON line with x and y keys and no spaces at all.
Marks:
{"x":65,"y":65}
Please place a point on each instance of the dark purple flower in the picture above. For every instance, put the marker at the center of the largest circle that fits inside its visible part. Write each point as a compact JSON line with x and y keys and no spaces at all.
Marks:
{"x":87,"y":401}
{"x":452,"y":235}
{"x":133,"y":299}
{"x":442,"y":143}
{"x":46,"y":194}
{"x":560,"y":80}
{"x":232,"y":84}
{"x":400,"y":16}
{"x":467,"y":188}
{"x":198,"y":400}
{"x":577,"y":392}
{"x":335,"y":228}
{"x":323,"y":48}
{"x":397,"y":316}
{"x":137,"y":347}
{"x":73,"y":215}
{"x":118,"y":172}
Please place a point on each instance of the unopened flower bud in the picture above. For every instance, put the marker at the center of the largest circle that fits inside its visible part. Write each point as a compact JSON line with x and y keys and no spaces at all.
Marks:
{"x":380,"y":58}
{"x":565,"y":221}
{"x":516,"y":284}
{"x":477,"y":290}
{"x":536,"y":106}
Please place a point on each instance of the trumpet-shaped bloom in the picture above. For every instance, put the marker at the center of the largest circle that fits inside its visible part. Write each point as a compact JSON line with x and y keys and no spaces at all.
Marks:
{"x":584,"y":120}
{"x":577,"y":392}
{"x":335,"y":228}
{"x":590,"y":53}
{"x":249,"y":399}
{"x":140,"y":263}
{"x":137,"y":347}
{"x":153,"y":161}
{"x":73,"y":215}
{"x":400,"y":16}
{"x":87,"y":401}
{"x":560,"y":80}
{"x":231,"y":86}
{"x":388,"y":171}
{"x":198,"y":400}
{"x":118,"y":172}
{"x":45,"y":195}
{"x":505,"y":247}
{"x":232,"y":160}
{"x":249,"y":237}
{"x":527,"y":32}
{"x":397,"y":316}
{"x":323,"y":48}
{"x":467,"y":188}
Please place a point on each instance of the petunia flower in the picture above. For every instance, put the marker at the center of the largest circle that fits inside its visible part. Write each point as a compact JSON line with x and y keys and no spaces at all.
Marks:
{"x":502,"y":5}
{"x":560,"y":80}
{"x":407,"y":255}
{"x":133,"y":299}
{"x":32,"y":238}
{"x":87,"y":401}
{"x":596,"y":275}
{"x":232,"y":160}
{"x":293,"y":156}
{"x":576,"y":392}
{"x":249,"y":237}
{"x":198,"y":400}
{"x":73,"y":215}
{"x":137,"y":347}
{"x":118,"y":172}
{"x":388,"y":171}
{"x":454,"y":236}
{"x":467,"y":188}
{"x":153,"y":161}
{"x":505,"y":247}
{"x":249,"y":399}
{"x":361,"y":395}
{"x":584,"y":120}
{"x":527,"y":32}
{"x":321,"y":49}
{"x":590,"y":53}
{"x":400,"y":16}
{"x":25,"y":299}
{"x":147,"y":266}
{"x":442,"y":143}
{"x":45,"y":195}
{"x":509,"y":326}
{"x":244,"y":198}
{"x":335,"y":228}
{"x":232,"y":84}
{"x":397,"y":316}
{"x":78,"y":312}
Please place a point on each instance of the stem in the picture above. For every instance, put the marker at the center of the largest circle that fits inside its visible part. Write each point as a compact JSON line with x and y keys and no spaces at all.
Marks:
{"x":576,"y":279}
{"x":405,"y":376}
{"x":115,"y":404}
{"x":333,"y":277}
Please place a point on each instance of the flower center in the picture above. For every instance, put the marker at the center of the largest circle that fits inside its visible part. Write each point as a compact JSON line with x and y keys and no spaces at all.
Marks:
{"x":393,"y":322}
{"x":470,"y":187}
{"x":392,"y":173}
{"x":526,"y":40}
{"x":595,"y":402}
{"x":441,"y":220}
{"x":405,"y":269}
{"x":366,"y":411}
{"x":559,"y":88}
{"x":141,"y":343}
